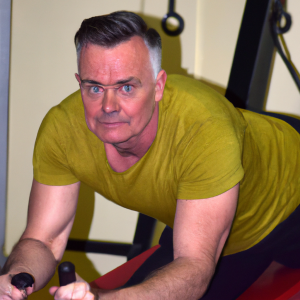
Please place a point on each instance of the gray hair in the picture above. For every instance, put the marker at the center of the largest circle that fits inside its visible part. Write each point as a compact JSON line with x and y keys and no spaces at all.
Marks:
{"x":118,"y":27}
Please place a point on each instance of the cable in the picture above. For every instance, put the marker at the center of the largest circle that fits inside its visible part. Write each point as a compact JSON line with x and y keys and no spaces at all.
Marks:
{"x":277,"y":31}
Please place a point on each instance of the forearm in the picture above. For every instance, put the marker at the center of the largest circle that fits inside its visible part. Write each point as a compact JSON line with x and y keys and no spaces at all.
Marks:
{"x":33,"y":257}
{"x":184,"y":278}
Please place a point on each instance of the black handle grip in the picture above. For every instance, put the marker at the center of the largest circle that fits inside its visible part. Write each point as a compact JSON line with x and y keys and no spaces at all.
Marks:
{"x":22,"y":280}
{"x":66,"y":273}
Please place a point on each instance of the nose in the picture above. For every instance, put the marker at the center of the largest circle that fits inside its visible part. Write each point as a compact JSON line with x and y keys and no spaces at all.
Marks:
{"x":110,"y":102}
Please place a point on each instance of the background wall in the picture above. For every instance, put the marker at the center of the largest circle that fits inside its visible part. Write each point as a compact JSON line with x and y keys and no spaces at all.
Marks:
{"x":42,"y":69}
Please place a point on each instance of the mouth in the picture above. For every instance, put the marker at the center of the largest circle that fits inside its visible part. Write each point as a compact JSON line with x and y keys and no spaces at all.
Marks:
{"x":112,"y":124}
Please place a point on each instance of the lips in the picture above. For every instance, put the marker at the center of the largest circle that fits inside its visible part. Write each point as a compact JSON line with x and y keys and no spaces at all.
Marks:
{"x":113,"y":124}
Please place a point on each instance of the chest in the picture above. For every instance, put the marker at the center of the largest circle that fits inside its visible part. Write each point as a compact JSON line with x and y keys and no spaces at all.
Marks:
{"x":149,"y":187}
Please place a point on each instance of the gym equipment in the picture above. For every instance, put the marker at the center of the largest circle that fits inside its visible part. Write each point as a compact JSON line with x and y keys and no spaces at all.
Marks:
{"x":172,"y":14}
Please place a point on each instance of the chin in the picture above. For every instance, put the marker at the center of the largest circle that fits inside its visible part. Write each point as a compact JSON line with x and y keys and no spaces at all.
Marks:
{"x":113,"y":139}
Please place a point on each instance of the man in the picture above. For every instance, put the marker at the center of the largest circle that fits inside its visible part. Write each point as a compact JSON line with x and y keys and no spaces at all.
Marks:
{"x":172,"y":149}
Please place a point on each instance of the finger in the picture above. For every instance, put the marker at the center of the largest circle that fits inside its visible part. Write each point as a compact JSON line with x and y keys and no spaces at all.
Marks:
{"x":62,"y":293}
{"x":77,"y":290}
{"x":5,"y":297}
{"x":81,"y":290}
{"x":7,"y":290}
{"x":29,"y":290}
{"x":16,"y":294}
{"x":90,"y":296}
{"x":53,"y":289}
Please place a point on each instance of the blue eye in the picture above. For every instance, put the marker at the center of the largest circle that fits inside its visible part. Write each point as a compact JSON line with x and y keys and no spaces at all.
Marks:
{"x":95,"y":89}
{"x":127,"y":88}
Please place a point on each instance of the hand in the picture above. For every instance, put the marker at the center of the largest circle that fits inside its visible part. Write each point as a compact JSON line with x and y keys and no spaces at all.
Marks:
{"x":79,"y":290}
{"x":10,"y":292}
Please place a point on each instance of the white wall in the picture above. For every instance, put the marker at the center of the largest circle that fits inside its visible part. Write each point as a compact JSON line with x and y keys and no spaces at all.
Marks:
{"x":218,"y":26}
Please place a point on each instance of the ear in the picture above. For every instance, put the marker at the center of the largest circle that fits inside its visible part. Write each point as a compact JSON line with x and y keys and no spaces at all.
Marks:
{"x":160,"y":85}
{"x":78,"y":78}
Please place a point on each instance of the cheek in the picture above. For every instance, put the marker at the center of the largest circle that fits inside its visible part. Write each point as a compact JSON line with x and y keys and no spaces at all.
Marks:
{"x":90,"y":109}
{"x":139,"y":114}
{"x":141,"y":109}
{"x":90,"y":112}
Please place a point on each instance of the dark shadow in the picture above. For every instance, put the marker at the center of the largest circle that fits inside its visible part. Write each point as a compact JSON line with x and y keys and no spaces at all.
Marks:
{"x":171,"y":53}
{"x":171,"y":47}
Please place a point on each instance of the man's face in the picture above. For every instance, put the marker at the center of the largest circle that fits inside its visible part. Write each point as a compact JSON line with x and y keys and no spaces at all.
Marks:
{"x":118,"y":89}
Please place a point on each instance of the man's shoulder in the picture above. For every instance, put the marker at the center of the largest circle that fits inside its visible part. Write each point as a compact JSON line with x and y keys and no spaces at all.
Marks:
{"x":69,"y":106}
{"x":193,"y":92}
{"x":190,"y":97}
{"x":189,"y":85}
{"x":68,"y":110}
{"x":65,"y":117}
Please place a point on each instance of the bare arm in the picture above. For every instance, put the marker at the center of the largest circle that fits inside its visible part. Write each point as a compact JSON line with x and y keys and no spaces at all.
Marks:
{"x":201,"y":228}
{"x":51,"y":214}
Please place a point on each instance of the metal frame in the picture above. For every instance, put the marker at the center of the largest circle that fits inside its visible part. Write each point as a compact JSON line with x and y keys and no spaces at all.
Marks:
{"x":253,"y":58}
{"x":142,"y":241}
{"x":5,"y":16}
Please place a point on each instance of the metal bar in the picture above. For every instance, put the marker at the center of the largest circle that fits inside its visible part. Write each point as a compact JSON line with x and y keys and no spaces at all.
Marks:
{"x":98,"y":247}
{"x":5,"y":13}
{"x":252,"y":61}
{"x":171,"y":5}
{"x":144,"y":231}
{"x":142,"y":241}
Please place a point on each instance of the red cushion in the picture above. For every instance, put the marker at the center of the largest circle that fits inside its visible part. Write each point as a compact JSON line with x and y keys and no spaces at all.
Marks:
{"x":119,"y":276}
{"x":276,"y":283}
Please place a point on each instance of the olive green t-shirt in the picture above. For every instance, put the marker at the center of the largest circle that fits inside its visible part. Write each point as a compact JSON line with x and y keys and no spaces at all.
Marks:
{"x":203,"y":147}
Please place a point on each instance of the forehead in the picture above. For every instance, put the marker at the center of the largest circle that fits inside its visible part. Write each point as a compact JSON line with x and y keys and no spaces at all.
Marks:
{"x":130,"y":58}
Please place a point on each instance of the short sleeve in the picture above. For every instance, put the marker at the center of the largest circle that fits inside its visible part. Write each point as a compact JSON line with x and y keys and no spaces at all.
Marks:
{"x":210,"y":159}
{"x":50,"y":161}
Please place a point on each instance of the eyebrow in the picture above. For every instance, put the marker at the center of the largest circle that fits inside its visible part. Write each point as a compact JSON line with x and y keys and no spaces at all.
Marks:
{"x":123,"y":81}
